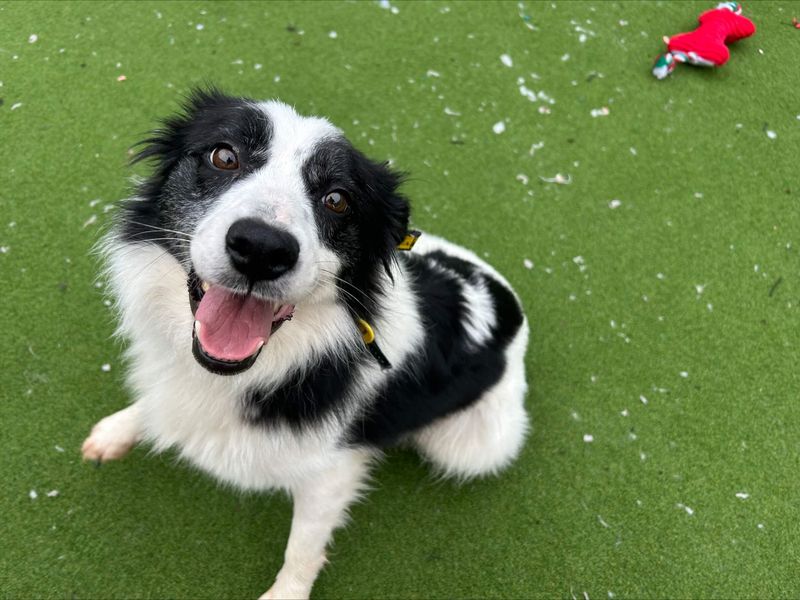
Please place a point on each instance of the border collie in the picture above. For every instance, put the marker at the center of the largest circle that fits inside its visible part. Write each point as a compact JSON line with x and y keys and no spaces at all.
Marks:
{"x":278,"y":337}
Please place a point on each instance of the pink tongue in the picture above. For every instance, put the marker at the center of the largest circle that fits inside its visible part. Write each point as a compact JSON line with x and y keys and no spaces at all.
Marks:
{"x":233,"y":327}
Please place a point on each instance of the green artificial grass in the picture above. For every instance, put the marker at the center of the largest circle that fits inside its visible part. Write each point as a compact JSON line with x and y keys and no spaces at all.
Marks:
{"x":685,"y":295}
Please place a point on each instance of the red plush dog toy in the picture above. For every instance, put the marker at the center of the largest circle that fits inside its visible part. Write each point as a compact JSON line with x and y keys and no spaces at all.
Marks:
{"x":705,"y":46}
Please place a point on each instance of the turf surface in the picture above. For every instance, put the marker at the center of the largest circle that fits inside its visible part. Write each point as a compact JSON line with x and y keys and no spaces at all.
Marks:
{"x":663,"y":330}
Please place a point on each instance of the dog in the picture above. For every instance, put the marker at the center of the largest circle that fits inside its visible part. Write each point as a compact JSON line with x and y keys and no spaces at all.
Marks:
{"x":281,"y":330}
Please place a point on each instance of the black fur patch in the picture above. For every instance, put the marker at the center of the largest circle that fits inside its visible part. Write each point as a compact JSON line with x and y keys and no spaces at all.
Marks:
{"x":305,"y":397}
{"x":183,"y":175}
{"x":366,"y":236}
{"x":452,"y":374}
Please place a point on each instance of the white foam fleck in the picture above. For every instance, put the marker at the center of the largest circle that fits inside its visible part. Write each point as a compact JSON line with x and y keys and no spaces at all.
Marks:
{"x":624,"y":412}
{"x":333,"y":35}
{"x":528,"y":263}
{"x":771,"y":134}
{"x":643,"y":399}
{"x":742,"y":495}
{"x":588,"y":438}
{"x":199,"y":27}
{"x":32,"y":38}
{"x":105,"y":367}
{"x":499,"y":127}
{"x":506,"y":60}
{"x":615,"y":203}
{"x":33,"y":495}
{"x":684,"y":374}
{"x":558,"y":178}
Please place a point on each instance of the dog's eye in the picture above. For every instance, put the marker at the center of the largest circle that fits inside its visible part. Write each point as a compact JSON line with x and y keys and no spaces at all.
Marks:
{"x":336,"y":201}
{"x":224,"y":158}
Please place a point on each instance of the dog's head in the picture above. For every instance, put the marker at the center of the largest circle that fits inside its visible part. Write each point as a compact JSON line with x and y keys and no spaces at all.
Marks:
{"x":266,"y":210}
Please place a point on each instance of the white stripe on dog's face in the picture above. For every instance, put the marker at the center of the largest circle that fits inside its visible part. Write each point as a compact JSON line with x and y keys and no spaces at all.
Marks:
{"x":275,"y":194}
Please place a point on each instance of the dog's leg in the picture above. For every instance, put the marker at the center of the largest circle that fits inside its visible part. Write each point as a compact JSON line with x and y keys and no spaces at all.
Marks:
{"x":484,"y":438}
{"x":320,"y":505}
{"x":113,"y":437}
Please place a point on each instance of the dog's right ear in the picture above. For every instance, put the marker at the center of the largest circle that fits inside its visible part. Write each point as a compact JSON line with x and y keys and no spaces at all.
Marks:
{"x":166,"y":143}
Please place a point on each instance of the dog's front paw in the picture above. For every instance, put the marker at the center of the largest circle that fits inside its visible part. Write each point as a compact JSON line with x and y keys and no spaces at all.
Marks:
{"x":279,"y":591}
{"x":112,"y":437}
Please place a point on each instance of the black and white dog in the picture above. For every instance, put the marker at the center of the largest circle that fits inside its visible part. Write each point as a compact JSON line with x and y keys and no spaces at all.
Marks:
{"x":280,"y":339}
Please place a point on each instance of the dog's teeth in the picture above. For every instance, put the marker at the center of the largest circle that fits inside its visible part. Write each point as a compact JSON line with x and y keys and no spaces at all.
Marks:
{"x":204,"y":285}
{"x":197,"y":326}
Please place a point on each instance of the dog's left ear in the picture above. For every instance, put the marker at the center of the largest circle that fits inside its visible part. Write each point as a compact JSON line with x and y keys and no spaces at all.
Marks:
{"x":388,"y":218}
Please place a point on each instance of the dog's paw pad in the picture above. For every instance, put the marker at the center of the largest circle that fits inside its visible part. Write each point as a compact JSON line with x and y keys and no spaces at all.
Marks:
{"x":111,"y":438}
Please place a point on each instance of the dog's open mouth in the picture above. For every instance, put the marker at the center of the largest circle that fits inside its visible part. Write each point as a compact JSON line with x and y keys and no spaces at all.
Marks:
{"x":230,"y":329}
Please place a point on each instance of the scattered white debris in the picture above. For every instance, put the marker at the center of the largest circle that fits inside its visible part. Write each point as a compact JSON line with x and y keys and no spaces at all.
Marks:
{"x":432,"y":73}
{"x":593,"y":378}
{"x":698,"y":195}
{"x":4,"y":249}
{"x":32,"y":38}
{"x":622,"y":22}
{"x":700,"y":287}
{"x":588,"y":438}
{"x":451,"y":112}
{"x":199,"y":27}
{"x":544,"y":110}
{"x":603,"y":111}
{"x":528,"y":93}
{"x":760,"y":51}
{"x":522,"y":178}
{"x":684,"y":374}
{"x":689,"y":510}
{"x":506,"y":60}
{"x":534,"y":147}
{"x":642,"y":456}
{"x":643,"y":399}
{"x":559,"y":179}
{"x":333,"y":35}
{"x":528,"y":263}
{"x":760,"y":526}
{"x":771,"y":134}
{"x":499,"y":127}
{"x":16,"y":105}
{"x":615,"y":203}
{"x":258,"y":66}
{"x":564,"y":57}
{"x":575,"y":415}
{"x":105,"y":367}
{"x":613,"y":324}
{"x":632,"y":150}
{"x":58,"y":448}
{"x":602,"y":522}
{"x":53,"y":494}
{"x":742,"y":495}
{"x":90,"y":221}
{"x":624,"y":412}
{"x":33,"y":495}
{"x":710,"y":307}
{"x":122,"y":78}
{"x":661,"y":276}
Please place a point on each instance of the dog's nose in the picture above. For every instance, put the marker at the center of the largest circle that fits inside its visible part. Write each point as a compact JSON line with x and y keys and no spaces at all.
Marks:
{"x":260,"y":251}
